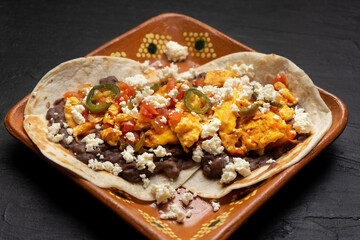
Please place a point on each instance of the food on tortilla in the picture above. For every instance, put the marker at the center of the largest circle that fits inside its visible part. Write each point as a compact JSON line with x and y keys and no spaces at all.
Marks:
{"x":243,"y":118}
{"x":271,"y":119}
{"x":81,"y":117}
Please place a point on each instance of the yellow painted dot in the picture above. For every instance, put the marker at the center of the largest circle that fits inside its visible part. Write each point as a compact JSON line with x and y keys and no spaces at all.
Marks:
{"x":138,"y":55}
{"x":184,"y":34}
{"x":148,"y":55}
{"x":161,"y":51}
{"x":142,"y":45}
{"x":195,"y":34}
{"x":201,"y":34}
{"x":163,"y":47}
{"x":198,"y":54}
{"x":143,"y":55}
{"x":168,"y":37}
{"x":161,"y":41}
{"x":192,"y":54}
{"x":147,"y":35}
{"x":187,"y":39}
{"x":144,"y":40}
{"x":140,"y":49}
{"x":190,"y":34}
{"x":214,"y":55}
{"x":162,"y":37}
{"x":208,"y":39}
{"x":211,"y":50}
{"x":189,"y":43}
{"x":157,"y":36}
{"x":192,"y":39}
{"x":190,"y":48}
{"x":123,"y":54}
{"x":151,"y":35}
{"x":210,"y":44}
{"x":206,"y":34}
{"x":208,"y":55}
{"x":155,"y":41}
{"x":202,"y":55}
{"x":206,"y":50}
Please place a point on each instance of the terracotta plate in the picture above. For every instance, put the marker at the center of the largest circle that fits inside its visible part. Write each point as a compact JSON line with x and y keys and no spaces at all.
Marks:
{"x":146,"y":42}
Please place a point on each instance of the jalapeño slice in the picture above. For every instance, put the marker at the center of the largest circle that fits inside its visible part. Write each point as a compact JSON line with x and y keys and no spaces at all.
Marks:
{"x":249,"y":110}
{"x":193,"y":105}
{"x":95,"y":107}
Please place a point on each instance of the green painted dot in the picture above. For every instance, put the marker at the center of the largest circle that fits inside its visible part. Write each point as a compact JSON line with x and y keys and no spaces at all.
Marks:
{"x":199,"y":44}
{"x":152,"y":48}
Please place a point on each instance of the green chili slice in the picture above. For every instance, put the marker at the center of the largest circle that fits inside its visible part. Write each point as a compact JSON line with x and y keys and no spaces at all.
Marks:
{"x":249,"y":110}
{"x":194,"y":106}
{"x":138,"y":146}
{"x":275,"y":104}
{"x":93,"y":107}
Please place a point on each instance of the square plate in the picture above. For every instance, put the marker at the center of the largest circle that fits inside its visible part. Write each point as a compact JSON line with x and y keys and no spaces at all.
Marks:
{"x":205,"y":44}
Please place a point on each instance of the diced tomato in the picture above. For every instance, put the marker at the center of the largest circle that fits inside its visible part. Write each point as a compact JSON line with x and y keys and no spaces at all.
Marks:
{"x":281,"y":78}
{"x":127,"y":126}
{"x":148,"y":110}
{"x":158,"y":125}
{"x":170,"y":85}
{"x":200,"y":81}
{"x":126,"y":92}
{"x":174,"y":118}
{"x":181,"y":94}
{"x":85,"y":113}
{"x":73,"y":94}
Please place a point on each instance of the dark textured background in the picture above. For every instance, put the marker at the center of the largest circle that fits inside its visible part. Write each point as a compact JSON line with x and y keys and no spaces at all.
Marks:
{"x":323,"y":38}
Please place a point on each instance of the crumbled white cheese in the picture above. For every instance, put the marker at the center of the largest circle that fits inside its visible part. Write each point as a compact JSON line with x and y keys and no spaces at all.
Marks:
{"x":188,"y":75}
{"x":160,"y":151}
{"x":243,"y":69}
{"x":163,"y":193}
{"x":91,"y":142}
{"x":53,"y":133}
{"x":211,"y":128}
{"x":145,"y":66}
{"x":173,"y":94}
{"x":303,"y":123}
{"x":270,"y":161}
{"x":229,"y":171}
{"x":187,"y":197}
{"x":157,"y":101}
{"x":106,"y":166}
{"x":138,"y":81}
{"x":76,"y":113}
{"x":237,"y":82}
{"x":168,"y":72}
{"x":198,"y":154}
{"x":234,"y":108}
{"x":264,"y":108}
{"x":69,"y":139}
{"x":242,"y":166}
{"x":145,"y":160}
{"x":145,"y":180}
{"x":130,"y":136}
{"x":213,"y":145}
{"x":215,"y":205}
{"x":140,"y":95}
{"x":128,"y":154}
{"x":175,"y":52}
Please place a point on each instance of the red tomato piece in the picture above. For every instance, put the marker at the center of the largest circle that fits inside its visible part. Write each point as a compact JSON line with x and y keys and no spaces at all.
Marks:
{"x":170,"y":85}
{"x":127,"y":126}
{"x":281,"y":78}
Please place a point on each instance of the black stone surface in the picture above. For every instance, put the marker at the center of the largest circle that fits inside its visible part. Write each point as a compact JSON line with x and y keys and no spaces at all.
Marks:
{"x":322,"y":37}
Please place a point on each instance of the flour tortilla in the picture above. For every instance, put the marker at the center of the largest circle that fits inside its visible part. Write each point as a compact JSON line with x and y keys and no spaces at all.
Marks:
{"x":69,"y":76}
{"x":266,"y":68}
